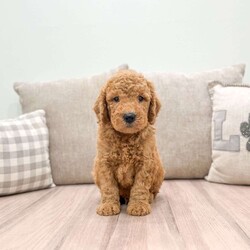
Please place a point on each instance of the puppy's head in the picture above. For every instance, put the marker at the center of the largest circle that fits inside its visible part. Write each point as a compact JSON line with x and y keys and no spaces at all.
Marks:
{"x":128,"y":102}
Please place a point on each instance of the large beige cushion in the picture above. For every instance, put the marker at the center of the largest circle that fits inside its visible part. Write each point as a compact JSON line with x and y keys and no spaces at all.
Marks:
{"x":71,"y":121}
{"x":184,"y":122}
{"x":230,"y":135}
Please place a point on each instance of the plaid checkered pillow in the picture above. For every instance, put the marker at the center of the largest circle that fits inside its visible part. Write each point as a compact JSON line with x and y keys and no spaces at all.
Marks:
{"x":24,"y":157}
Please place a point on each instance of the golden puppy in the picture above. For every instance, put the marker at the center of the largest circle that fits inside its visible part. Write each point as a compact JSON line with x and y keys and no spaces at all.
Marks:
{"x":127,"y":164}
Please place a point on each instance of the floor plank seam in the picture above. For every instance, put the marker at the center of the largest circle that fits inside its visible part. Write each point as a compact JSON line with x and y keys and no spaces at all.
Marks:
{"x":70,"y":223}
{"x":21,"y":214}
{"x":176,"y":228}
{"x":112,"y":233}
{"x":243,"y":232}
{"x":223,"y":213}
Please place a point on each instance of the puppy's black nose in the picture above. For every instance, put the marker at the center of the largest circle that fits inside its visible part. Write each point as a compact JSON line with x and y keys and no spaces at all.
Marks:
{"x":129,"y":117}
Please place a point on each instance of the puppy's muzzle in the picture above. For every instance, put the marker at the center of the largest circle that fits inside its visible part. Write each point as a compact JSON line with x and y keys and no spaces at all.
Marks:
{"x":129,"y":117}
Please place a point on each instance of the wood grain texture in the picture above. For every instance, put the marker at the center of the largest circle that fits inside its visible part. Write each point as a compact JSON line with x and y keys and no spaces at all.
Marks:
{"x":187,"y":214}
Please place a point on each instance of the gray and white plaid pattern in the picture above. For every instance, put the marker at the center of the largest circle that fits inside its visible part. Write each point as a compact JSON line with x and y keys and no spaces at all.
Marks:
{"x":24,"y":156}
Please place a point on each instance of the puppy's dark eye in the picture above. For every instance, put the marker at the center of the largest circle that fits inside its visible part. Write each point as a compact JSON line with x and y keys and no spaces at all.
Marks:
{"x":140,"y":98}
{"x":116,"y":99}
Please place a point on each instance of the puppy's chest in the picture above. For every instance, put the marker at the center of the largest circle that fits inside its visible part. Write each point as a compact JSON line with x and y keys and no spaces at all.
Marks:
{"x":129,"y":159}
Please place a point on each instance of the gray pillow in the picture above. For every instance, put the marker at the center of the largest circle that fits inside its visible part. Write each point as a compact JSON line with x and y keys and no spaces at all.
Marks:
{"x":24,"y":154}
{"x":71,"y":121}
{"x":183,"y":127}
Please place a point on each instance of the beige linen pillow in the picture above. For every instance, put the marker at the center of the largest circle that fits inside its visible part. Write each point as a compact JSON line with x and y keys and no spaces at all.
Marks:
{"x":71,"y":122}
{"x":184,"y":124}
{"x":230,"y":134}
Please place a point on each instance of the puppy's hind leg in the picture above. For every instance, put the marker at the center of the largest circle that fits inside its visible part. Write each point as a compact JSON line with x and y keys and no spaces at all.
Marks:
{"x":157,"y":182}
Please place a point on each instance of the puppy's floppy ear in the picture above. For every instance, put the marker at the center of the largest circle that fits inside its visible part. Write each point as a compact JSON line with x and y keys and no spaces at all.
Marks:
{"x":101,"y":108}
{"x":154,"y":106}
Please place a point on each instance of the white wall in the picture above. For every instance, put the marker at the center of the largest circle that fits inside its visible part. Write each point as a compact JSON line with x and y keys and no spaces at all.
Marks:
{"x":49,"y":39}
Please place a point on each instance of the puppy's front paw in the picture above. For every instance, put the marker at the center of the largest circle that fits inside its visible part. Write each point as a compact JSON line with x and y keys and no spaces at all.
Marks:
{"x":138,"y":208}
{"x":108,"y":209}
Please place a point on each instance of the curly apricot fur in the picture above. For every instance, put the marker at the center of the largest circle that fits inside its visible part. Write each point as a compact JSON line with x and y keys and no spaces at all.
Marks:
{"x":127,"y":163}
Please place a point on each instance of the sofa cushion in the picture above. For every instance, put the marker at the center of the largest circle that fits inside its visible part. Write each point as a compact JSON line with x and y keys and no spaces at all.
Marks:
{"x":24,"y":154}
{"x":184,"y":124}
{"x":230,"y":134}
{"x":71,"y":121}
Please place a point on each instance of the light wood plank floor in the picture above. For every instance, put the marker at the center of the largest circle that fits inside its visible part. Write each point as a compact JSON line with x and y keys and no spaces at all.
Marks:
{"x":187,"y":214}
